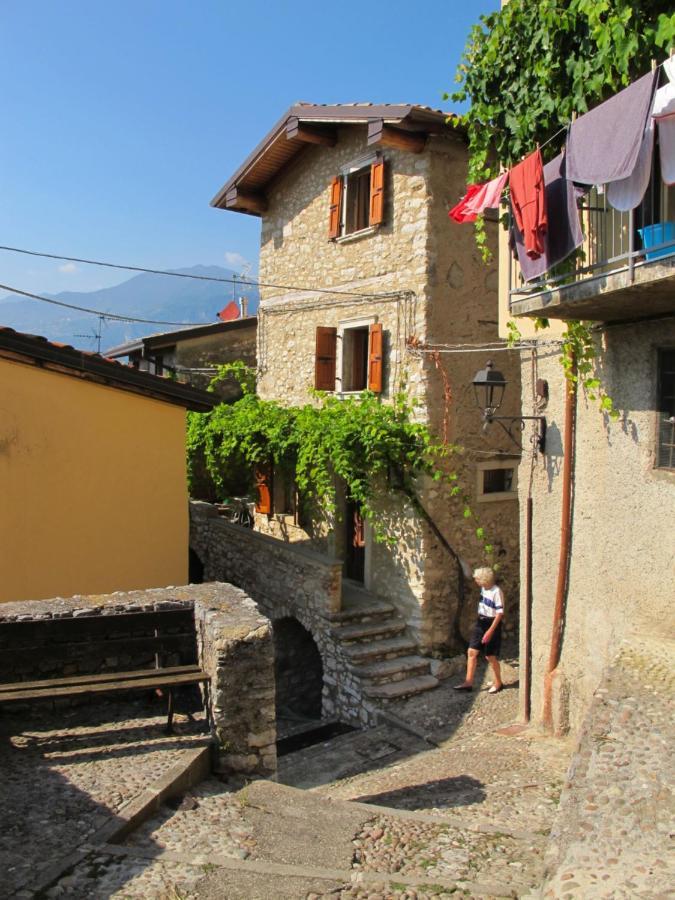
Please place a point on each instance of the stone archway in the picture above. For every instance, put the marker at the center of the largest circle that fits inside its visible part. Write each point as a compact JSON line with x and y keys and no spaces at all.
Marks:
{"x":298,"y":671}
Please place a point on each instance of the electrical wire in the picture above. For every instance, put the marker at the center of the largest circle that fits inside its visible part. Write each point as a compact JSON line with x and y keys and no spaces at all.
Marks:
{"x":235,"y":281}
{"x":97,"y":312}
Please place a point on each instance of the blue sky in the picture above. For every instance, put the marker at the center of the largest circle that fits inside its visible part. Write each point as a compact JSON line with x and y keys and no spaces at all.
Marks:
{"x":123,"y":119}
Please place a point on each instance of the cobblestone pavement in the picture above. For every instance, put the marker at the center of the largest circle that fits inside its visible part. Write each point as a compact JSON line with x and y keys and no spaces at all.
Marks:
{"x":66,"y":773}
{"x":613,"y":837}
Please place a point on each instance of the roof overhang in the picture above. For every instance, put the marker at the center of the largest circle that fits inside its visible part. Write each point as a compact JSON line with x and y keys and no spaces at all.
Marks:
{"x":403,"y":126}
{"x":33,"y":350}
{"x":170,"y":338}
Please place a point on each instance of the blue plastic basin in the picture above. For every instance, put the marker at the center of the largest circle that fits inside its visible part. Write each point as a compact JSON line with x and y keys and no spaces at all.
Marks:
{"x":660,"y":233}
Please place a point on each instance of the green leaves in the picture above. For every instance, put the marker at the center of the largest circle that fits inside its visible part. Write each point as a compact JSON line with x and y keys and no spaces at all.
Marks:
{"x":527,"y":68}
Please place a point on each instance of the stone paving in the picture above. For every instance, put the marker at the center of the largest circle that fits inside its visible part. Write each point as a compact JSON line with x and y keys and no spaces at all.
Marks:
{"x":66,"y":773}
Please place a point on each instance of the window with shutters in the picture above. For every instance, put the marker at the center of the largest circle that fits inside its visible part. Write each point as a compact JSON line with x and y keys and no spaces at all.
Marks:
{"x":665,"y":439}
{"x":349,"y":358}
{"x":357,"y":198}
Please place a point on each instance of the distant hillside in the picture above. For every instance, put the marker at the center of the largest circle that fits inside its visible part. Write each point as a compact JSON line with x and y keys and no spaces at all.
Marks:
{"x":143,"y":296}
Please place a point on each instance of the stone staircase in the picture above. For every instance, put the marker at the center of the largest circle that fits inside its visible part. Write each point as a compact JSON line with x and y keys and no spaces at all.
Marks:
{"x":380,"y":653}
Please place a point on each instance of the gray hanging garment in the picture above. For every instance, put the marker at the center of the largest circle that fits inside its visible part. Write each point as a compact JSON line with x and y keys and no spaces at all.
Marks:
{"x":603,"y":145}
{"x":564,"y":228}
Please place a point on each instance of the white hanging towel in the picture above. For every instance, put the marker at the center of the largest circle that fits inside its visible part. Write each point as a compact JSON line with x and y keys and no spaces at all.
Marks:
{"x":664,"y":114}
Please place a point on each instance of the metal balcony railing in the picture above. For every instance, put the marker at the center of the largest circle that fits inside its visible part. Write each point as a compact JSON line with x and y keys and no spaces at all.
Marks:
{"x":614,"y":241}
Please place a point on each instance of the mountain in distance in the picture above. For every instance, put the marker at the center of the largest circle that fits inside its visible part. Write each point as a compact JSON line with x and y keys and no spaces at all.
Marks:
{"x":144,"y":296}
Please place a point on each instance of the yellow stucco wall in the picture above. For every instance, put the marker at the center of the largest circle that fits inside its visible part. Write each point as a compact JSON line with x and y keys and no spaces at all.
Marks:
{"x":93,"y":492}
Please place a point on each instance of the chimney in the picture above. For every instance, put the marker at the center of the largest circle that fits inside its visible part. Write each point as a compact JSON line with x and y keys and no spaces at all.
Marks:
{"x":243,"y":303}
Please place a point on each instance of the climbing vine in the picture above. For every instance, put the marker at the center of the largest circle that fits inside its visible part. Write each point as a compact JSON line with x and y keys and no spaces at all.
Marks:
{"x":358,"y":441}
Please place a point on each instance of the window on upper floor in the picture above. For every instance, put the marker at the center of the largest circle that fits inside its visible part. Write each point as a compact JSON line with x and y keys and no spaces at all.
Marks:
{"x":665,"y":442}
{"x":349,"y":358}
{"x":357,"y":198}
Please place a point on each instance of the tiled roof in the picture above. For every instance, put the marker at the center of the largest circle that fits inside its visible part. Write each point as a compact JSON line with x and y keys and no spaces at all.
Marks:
{"x":37,"y":350}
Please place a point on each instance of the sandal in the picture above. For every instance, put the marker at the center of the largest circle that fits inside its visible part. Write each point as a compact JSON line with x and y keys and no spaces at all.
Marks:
{"x":463,"y":687}
{"x":495,"y":690}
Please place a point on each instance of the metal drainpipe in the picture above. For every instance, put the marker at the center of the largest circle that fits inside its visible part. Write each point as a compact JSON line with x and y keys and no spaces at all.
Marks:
{"x":565,"y":546}
{"x":527,"y":615}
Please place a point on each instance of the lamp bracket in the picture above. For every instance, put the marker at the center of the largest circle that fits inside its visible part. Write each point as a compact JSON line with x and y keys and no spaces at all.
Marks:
{"x":508,"y":424}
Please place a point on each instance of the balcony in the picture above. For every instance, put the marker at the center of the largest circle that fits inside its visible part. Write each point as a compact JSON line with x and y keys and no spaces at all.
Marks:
{"x":625,"y":268}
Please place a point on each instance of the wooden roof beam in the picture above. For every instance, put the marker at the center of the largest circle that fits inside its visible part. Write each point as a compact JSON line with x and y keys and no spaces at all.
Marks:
{"x":249,"y":201}
{"x":310,"y":134}
{"x":379,"y":133}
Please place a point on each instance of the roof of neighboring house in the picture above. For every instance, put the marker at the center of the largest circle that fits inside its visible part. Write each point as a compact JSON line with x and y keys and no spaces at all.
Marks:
{"x":310,"y":123}
{"x":34,"y":350}
{"x":169,"y":338}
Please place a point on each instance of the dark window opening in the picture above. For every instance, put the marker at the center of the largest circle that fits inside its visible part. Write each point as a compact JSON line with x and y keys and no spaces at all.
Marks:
{"x":355,"y":359}
{"x":665,"y":451}
{"x":497,"y":481}
{"x":357,"y":201}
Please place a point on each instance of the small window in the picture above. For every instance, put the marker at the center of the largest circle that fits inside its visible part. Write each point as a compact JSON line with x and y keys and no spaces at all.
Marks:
{"x":665,"y":450}
{"x":350,"y":358}
{"x":497,"y":480}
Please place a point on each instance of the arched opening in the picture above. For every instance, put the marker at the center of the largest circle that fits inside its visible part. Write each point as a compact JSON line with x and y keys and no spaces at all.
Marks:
{"x":299,"y":674}
{"x":195,"y":568}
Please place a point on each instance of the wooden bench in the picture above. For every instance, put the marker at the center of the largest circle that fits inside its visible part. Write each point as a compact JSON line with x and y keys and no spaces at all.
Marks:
{"x":64,"y":641}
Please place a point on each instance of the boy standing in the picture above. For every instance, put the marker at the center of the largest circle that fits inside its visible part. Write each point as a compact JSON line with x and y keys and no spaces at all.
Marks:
{"x":487,"y":632}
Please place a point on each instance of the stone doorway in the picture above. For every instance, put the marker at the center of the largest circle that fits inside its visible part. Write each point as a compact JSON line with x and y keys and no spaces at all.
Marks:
{"x":298,"y":671}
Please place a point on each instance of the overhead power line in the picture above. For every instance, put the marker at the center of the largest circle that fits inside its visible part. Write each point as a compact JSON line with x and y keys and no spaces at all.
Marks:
{"x":95,"y":312}
{"x":244,"y":282}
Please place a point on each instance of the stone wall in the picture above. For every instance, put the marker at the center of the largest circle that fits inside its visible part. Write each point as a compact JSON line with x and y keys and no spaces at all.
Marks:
{"x":436,"y":290}
{"x":285,"y":581}
{"x":229,"y":638}
{"x":622,"y":552}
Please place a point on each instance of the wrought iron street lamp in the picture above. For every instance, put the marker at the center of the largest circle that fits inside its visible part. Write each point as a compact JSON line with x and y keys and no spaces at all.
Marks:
{"x":489,"y":385}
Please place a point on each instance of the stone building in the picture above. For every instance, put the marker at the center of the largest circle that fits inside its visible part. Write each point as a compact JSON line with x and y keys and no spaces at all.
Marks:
{"x":354,"y":204}
{"x":191,"y":354}
{"x":622,"y":485}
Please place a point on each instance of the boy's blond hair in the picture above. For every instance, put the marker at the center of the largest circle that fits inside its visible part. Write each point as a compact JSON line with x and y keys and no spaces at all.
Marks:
{"x":484,"y":575}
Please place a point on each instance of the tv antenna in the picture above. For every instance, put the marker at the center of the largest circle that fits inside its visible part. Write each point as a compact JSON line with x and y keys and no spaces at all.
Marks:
{"x":95,"y":333}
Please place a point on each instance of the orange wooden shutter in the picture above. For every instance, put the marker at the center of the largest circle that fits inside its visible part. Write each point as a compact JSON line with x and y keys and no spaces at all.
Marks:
{"x":335,"y":207}
{"x":377,"y":193}
{"x":263,"y":486}
{"x":324,"y":363}
{"x":375,"y":359}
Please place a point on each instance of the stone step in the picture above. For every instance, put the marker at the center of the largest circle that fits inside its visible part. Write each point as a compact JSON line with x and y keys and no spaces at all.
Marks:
{"x":370,"y":630}
{"x":363,"y":611}
{"x":380,"y":650}
{"x":395,"y":690}
{"x":396,"y":669}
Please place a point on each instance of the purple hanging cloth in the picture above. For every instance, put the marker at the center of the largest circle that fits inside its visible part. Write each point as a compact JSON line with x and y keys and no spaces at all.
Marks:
{"x":603,"y":144}
{"x":564,"y":228}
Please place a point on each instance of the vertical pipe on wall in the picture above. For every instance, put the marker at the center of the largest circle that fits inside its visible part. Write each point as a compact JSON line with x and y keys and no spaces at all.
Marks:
{"x":565,"y":545}
{"x":527,"y":616}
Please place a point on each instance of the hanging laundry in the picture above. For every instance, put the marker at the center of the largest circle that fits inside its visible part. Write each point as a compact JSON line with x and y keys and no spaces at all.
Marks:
{"x":564,"y":232}
{"x":528,"y":201}
{"x":478,"y":198}
{"x":664,"y":115}
{"x":603,"y":145}
{"x":627,"y":193}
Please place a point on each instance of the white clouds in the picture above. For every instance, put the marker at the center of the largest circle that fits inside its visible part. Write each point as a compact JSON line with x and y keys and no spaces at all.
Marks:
{"x":68,"y":268}
{"x":235,"y":260}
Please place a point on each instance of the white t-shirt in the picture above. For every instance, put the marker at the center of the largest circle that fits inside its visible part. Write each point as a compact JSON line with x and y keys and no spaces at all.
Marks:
{"x":491,"y":602}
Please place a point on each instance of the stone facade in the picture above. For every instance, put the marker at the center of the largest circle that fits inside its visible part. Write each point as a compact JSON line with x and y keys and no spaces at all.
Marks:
{"x":229,"y":638}
{"x":285,"y":581}
{"x":422,"y":278}
{"x":622,"y":550}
